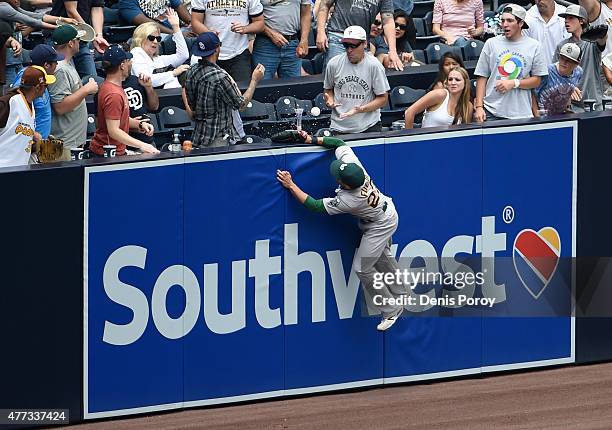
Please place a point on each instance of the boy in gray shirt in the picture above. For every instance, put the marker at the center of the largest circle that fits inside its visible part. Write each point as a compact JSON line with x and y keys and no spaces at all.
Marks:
{"x":355,"y":86}
{"x":591,"y":85}
{"x":509,"y":66}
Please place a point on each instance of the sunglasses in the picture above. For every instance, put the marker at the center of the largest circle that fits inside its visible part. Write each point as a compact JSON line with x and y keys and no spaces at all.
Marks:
{"x":401,"y":26}
{"x":152,"y":38}
{"x":351,"y":45}
{"x":377,"y":22}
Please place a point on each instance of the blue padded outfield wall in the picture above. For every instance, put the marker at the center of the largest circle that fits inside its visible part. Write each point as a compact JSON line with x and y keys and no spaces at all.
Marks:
{"x":205,"y":282}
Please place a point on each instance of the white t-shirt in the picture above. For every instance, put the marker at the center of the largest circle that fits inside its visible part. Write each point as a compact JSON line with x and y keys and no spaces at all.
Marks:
{"x":219,"y":15}
{"x":366,"y":202}
{"x":550,"y":33}
{"x":502,"y":59}
{"x":355,"y":85}
{"x":17,"y":137}
{"x":605,"y":17}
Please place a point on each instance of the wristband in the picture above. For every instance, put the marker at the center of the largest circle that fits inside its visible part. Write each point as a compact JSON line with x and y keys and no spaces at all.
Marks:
{"x":517,"y":83}
{"x":140,"y":125}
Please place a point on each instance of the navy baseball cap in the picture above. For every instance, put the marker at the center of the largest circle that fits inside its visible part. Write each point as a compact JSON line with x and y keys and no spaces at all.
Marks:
{"x":206,"y":44}
{"x":43,"y":53}
{"x":115,"y":55}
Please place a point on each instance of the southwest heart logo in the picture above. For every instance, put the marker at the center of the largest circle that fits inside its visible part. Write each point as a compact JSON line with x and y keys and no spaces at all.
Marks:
{"x":536,"y":256}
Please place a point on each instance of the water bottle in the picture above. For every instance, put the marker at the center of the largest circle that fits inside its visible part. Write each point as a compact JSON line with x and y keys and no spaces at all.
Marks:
{"x":175,"y":146}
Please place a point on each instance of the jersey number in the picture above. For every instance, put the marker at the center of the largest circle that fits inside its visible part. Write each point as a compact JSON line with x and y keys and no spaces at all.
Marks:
{"x":374,"y":198}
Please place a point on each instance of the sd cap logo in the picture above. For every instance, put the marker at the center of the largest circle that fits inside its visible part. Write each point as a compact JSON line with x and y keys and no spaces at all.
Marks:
{"x":202,"y":46}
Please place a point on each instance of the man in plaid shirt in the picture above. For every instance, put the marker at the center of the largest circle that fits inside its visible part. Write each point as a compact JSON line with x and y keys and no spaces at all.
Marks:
{"x":211,"y":95}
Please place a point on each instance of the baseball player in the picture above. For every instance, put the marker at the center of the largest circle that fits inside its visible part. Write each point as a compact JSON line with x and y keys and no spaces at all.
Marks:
{"x":357,"y":195}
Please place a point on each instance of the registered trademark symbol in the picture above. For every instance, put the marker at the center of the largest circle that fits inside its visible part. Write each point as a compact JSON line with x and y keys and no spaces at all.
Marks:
{"x":508,"y":214}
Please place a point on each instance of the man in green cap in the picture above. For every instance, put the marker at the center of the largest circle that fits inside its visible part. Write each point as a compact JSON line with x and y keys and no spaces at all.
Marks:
{"x":69,"y":120}
{"x":357,"y":195}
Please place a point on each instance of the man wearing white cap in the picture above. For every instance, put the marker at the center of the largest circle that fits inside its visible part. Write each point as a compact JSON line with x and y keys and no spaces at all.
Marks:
{"x":591,"y":85}
{"x":355,"y":86}
{"x":561,"y":84}
{"x":509,"y":67}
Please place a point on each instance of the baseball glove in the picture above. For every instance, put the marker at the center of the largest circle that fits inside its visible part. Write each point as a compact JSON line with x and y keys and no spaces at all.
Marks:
{"x":288,"y":136}
{"x":595,"y":32}
{"x":49,"y":150}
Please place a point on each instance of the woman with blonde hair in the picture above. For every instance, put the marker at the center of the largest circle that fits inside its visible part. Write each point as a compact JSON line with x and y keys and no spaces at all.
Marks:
{"x":147,"y":61}
{"x":447,"y":106}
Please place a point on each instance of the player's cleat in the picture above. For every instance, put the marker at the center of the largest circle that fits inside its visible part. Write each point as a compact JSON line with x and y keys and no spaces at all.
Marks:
{"x":387,"y":322}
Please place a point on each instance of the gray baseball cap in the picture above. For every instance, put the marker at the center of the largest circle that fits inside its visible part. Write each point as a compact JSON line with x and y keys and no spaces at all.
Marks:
{"x":571,"y":51}
{"x":518,"y":11}
{"x":575,"y":10}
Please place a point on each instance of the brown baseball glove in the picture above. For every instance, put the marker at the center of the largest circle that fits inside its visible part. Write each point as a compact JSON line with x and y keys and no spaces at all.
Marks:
{"x":49,"y":150}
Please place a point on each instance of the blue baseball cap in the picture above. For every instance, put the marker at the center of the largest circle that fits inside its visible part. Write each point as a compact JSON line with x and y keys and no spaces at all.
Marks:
{"x":116,"y":55}
{"x":206,"y":44}
{"x":43,"y":53}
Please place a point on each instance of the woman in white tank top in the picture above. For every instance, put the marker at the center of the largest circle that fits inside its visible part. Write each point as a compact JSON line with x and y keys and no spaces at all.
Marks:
{"x":444,"y":107}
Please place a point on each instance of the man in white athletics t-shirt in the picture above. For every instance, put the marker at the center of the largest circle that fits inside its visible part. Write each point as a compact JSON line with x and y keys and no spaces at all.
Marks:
{"x":509,"y":67}
{"x":600,"y":13}
{"x":355,"y":86}
{"x":233,"y":21}
{"x":17,"y":133}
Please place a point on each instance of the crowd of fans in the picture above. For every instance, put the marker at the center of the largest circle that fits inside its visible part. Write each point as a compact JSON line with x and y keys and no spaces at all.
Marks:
{"x":537,"y":64}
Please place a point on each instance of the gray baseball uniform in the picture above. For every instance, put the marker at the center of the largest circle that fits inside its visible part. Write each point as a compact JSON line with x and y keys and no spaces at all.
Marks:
{"x":378,"y":221}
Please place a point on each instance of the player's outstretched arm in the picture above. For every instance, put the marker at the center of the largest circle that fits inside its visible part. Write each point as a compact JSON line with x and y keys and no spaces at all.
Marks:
{"x":286,"y":181}
{"x":327,"y":142}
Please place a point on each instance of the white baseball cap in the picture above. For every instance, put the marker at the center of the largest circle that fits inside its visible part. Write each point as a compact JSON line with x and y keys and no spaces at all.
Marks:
{"x":571,"y":51}
{"x":354,"y":32}
{"x":518,"y":12}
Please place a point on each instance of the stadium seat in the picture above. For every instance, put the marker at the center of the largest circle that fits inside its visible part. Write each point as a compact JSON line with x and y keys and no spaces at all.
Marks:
{"x":286,"y":105}
{"x":267,"y":128}
{"x":91,"y":125}
{"x":419,"y":55}
{"x":324,"y":132}
{"x":251,"y":138}
{"x":428,"y":20}
{"x":402,"y":97}
{"x":489,"y":14}
{"x":319,"y":102}
{"x":473,"y":88}
{"x":311,"y":124}
{"x":118,"y":33}
{"x":422,"y":7}
{"x":256,"y":111}
{"x":421,"y":28}
{"x":472,"y":50}
{"x":423,"y":41}
{"x":389,"y":116}
{"x":173,"y":118}
{"x":33,"y":39}
{"x":435,"y":51}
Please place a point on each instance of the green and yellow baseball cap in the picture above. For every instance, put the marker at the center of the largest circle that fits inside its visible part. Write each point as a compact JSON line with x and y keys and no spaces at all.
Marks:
{"x":350,"y":174}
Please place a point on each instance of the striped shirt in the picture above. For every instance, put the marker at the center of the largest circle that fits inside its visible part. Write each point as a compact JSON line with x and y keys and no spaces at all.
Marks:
{"x":212,"y":94}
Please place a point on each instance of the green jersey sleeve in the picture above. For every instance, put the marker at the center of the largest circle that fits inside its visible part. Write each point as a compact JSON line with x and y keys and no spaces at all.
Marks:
{"x":314,"y":205}
{"x":333,"y":142}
